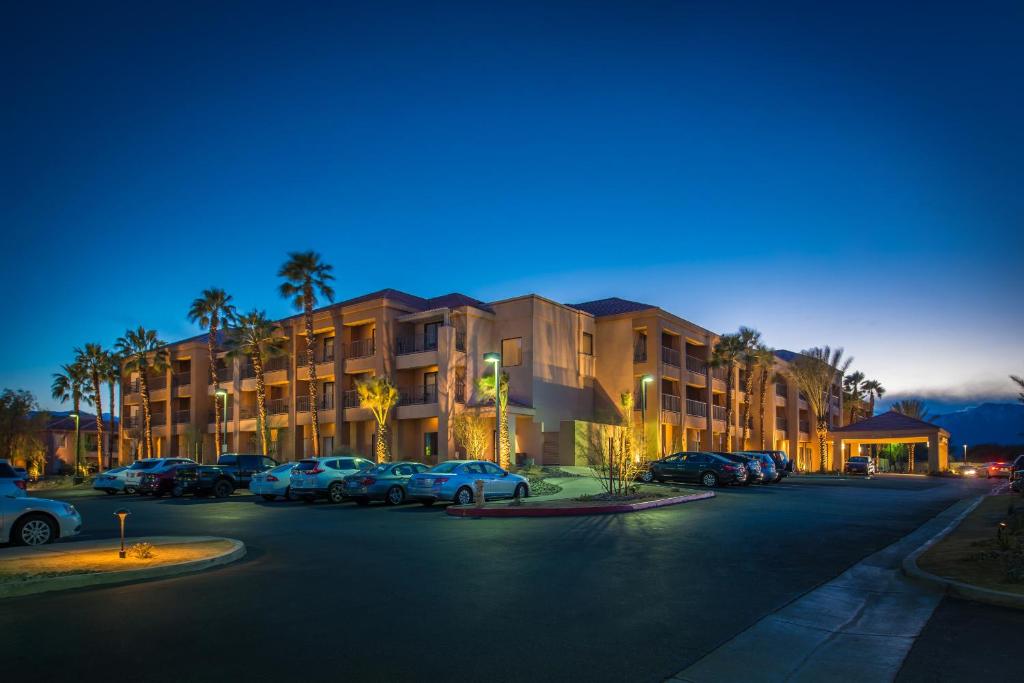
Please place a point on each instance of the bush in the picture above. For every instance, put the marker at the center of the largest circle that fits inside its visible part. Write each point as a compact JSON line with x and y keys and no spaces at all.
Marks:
{"x":141,"y":551}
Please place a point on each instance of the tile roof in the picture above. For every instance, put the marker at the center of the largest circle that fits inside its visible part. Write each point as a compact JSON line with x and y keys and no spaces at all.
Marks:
{"x":610,"y":306}
{"x":888,"y":422}
{"x":62,"y":422}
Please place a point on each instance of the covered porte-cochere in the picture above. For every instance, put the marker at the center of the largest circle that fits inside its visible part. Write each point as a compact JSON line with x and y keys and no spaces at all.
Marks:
{"x":893,"y":427}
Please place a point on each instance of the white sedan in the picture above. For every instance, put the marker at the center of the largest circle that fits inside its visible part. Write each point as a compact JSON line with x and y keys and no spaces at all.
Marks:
{"x":36,"y":521}
{"x":273,"y":482}
{"x":110,"y":481}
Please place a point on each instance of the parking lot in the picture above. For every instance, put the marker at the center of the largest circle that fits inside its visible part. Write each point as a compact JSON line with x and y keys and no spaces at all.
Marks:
{"x":400,"y":593}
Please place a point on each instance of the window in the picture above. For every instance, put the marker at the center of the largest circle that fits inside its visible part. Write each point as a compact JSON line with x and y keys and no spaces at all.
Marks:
{"x":512,"y":352}
{"x":491,"y":468}
{"x":345,"y":464}
{"x":473,"y":468}
{"x":430,"y":336}
{"x":588,"y":344}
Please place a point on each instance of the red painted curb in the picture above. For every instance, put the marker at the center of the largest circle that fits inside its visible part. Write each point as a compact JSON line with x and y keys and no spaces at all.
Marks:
{"x":514,"y":511}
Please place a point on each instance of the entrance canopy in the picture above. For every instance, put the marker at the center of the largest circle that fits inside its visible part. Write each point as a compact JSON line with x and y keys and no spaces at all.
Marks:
{"x":893,"y":427}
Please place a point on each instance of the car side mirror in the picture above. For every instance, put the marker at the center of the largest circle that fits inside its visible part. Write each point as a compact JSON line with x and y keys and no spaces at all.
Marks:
{"x":504,"y":474}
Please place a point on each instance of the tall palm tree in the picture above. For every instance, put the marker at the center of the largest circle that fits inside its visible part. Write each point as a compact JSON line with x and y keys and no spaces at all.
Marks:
{"x":258,"y":339}
{"x":873,"y":389}
{"x":306,"y":277}
{"x":750,"y":343}
{"x":93,"y":359}
{"x":112,"y":376}
{"x":814,"y":371}
{"x":72,"y":384}
{"x":914,"y":408}
{"x":726,"y":354}
{"x":379,"y":396}
{"x":1019,"y":381}
{"x":764,"y":364}
{"x":854,"y":392}
{"x":144,"y":352}
{"x":500,"y":397}
{"x":213,"y":310}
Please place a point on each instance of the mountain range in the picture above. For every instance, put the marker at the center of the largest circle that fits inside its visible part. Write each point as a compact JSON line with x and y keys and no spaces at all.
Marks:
{"x":994,"y":423}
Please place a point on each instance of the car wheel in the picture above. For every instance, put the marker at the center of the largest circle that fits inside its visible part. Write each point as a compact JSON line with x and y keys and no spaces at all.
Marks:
{"x":363,"y":501}
{"x":334,"y":492}
{"x":288,"y":493}
{"x":34,"y":530}
{"x":396,"y":496}
{"x":129,"y":490}
{"x":647,"y":477}
{"x":709,"y":479}
{"x":778,"y":478}
{"x":222,"y":489}
{"x":267,"y":496}
{"x":522,"y":491}
{"x":177,"y":491}
{"x":463,"y":496}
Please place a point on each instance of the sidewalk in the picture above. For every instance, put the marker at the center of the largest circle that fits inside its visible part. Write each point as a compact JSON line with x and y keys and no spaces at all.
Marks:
{"x":857,"y":627}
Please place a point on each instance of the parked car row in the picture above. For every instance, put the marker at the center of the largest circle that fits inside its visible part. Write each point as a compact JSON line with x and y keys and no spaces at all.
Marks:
{"x":718,"y":468}
{"x":26,"y":520}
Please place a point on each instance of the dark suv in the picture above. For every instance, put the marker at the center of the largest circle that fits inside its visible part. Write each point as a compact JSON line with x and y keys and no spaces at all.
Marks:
{"x":702,"y":468}
{"x":783,"y":465}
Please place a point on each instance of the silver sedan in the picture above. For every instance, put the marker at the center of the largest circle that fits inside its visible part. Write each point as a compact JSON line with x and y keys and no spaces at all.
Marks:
{"x":454,"y":480}
{"x":36,"y":521}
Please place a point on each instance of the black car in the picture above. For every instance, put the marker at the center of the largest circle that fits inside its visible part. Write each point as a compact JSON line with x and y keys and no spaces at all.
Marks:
{"x":783,"y":465}
{"x":859,"y":464}
{"x":755,"y":474}
{"x":232,"y":471}
{"x":697,"y":467}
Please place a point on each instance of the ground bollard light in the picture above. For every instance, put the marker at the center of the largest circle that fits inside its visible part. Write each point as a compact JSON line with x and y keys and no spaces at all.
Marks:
{"x":121,"y":515}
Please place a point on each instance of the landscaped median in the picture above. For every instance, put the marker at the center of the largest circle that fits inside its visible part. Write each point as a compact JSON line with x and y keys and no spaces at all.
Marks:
{"x":595,"y":505}
{"x":979,"y":556}
{"x":61,"y":566}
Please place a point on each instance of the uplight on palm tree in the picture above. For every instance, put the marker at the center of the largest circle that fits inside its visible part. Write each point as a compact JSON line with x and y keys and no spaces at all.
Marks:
{"x":486,"y":386}
{"x":379,"y":396}
{"x":814,"y":371}
{"x":213,"y":311}
{"x":144,"y":352}
{"x":94,"y":359}
{"x":306,"y":279}
{"x":257,"y":339}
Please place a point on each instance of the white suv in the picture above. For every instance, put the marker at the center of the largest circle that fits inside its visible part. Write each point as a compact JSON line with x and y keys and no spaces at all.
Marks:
{"x":133,"y":475}
{"x":322,"y":477}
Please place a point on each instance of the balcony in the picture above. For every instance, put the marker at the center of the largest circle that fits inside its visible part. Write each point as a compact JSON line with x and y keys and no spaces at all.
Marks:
{"x":805,"y":427}
{"x":132,"y":422}
{"x":323,"y":403}
{"x":414,"y":396}
{"x":277,"y":406}
{"x":781,"y":390}
{"x":361,"y":348}
{"x":720,"y":373}
{"x":182,"y":416}
{"x":416,"y":343}
{"x":671,"y":403}
{"x":182,"y":380}
{"x":350,"y":399}
{"x":460,"y":390}
{"x":696,"y":365}
{"x":322,"y":355}
{"x":718,"y":412}
{"x":670,"y":356}
{"x":460,"y":339}
{"x":157,"y":383}
{"x":781,"y":424}
{"x":247,"y":413}
{"x":640,"y":353}
{"x":696,"y":408}
{"x":224,"y":375}
{"x":277,"y":363}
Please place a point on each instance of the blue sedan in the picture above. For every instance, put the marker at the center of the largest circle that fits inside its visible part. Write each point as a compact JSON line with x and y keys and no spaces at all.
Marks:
{"x":454,"y":480}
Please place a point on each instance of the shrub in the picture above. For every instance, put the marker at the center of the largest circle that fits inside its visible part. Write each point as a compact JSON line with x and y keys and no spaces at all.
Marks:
{"x":141,"y":551}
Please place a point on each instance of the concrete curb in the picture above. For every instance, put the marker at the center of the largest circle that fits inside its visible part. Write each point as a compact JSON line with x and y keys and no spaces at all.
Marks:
{"x":558,"y":511}
{"x":950,"y":586}
{"x":59,"y":583}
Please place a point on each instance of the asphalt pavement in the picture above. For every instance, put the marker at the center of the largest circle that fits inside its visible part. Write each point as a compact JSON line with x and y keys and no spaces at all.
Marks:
{"x":410,"y":593}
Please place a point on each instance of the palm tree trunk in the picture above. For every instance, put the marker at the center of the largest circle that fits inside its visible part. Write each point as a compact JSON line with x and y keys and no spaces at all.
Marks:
{"x":261,"y":402}
{"x":211,"y":341}
{"x":314,"y":417}
{"x":78,"y":435}
{"x":822,"y":430}
{"x":910,"y":457}
{"x":121,"y":458}
{"x":380,"y":448}
{"x":762,"y":398}
{"x":110,"y":422}
{"x":745,"y":417}
{"x":147,"y":417}
{"x":505,"y":448}
{"x":728,"y":410}
{"x":97,"y":390}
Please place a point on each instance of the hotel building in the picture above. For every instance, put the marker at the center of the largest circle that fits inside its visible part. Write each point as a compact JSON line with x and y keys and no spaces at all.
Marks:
{"x":568,"y":364}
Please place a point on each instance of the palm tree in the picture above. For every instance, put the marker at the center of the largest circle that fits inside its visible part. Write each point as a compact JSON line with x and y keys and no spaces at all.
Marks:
{"x":764,"y":363}
{"x":1019,"y":381}
{"x":750,"y":341}
{"x":814,"y":371}
{"x":379,"y":396}
{"x":873,"y":389}
{"x":94,"y":359}
{"x":72,"y":384}
{"x":500,"y":397}
{"x":257,"y":339}
{"x":725,"y":355}
{"x":143,"y":352}
{"x":213,"y":310}
{"x":854,"y":392}
{"x":306,"y":276}
{"x":914,"y":408}
{"x":112,"y":375}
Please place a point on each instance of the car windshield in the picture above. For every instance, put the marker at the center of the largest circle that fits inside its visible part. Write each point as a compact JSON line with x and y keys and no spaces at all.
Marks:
{"x":859,"y":458}
{"x":144,"y":465}
{"x":227,"y":460}
{"x":445,"y":467}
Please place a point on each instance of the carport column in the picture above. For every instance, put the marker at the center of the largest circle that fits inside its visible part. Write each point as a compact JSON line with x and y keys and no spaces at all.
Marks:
{"x":837,"y":447}
{"x":938,"y":452}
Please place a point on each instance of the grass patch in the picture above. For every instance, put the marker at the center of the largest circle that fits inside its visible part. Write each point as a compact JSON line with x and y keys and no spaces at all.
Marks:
{"x":976,"y":553}
{"x":72,"y":561}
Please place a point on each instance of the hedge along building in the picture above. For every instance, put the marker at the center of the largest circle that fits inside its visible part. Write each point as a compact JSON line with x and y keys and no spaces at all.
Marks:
{"x":567,"y":367}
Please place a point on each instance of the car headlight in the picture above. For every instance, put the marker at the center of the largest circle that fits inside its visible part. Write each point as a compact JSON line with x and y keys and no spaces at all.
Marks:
{"x":69,"y":509}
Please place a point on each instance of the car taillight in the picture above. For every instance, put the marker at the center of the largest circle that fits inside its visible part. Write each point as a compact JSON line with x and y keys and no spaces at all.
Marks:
{"x":20,"y":483}
{"x":729,"y":468}
{"x":271,"y":477}
{"x":440,"y":480}
{"x":368,"y":480}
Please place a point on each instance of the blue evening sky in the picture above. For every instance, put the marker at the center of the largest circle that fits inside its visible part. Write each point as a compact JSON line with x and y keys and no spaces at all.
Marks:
{"x":846,"y":174}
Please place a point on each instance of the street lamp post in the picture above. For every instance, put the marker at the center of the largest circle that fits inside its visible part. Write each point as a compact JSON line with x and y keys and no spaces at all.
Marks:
{"x":78,"y":451}
{"x":122,"y":514}
{"x":965,"y":455}
{"x":223,"y":396}
{"x":494,"y":358}
{"x":644,"y":381}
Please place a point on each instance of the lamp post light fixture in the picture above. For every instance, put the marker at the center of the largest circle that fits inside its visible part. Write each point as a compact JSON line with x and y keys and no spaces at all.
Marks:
{"x":121,"y":515}
{"x":965,"y":455}
{"x":644,"y":381}
{"x":494,"y":358}
{"x":223,"y":396}
{"x":78,"y":450}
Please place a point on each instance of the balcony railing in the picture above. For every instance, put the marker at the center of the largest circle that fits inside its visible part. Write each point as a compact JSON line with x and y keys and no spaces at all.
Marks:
{"x":247,"y":413}
{"x":182,"y":379}
{"x":350,"y":399}
{"x":324,"y":354}
{"x":277,"y":363}
{"x":781,"y":390}
{"x":718,"y":412}
{"x":182,"y":416}
{"x":720,"y":372}
{"x":227,"y":416}
{"x":805,"y":426}
{"x":781,"y":424}
{"x":696,"y":408}
{"x":224,"y":374}
{"x":324,"y":402}
{"x":133,"y":422}
{"x":696,"y":365}
{"x":460,"y":391}
{"x":460,"y":339}
{"x":415,"y":344}
{"x":155,"y":383}
{"x":410,"y":396}
{"x":277,"y":406}
{"x":669,"y":356}
{"x":361,"y":348}
{"x":639,"y":352}
{"x":671,"y":403}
